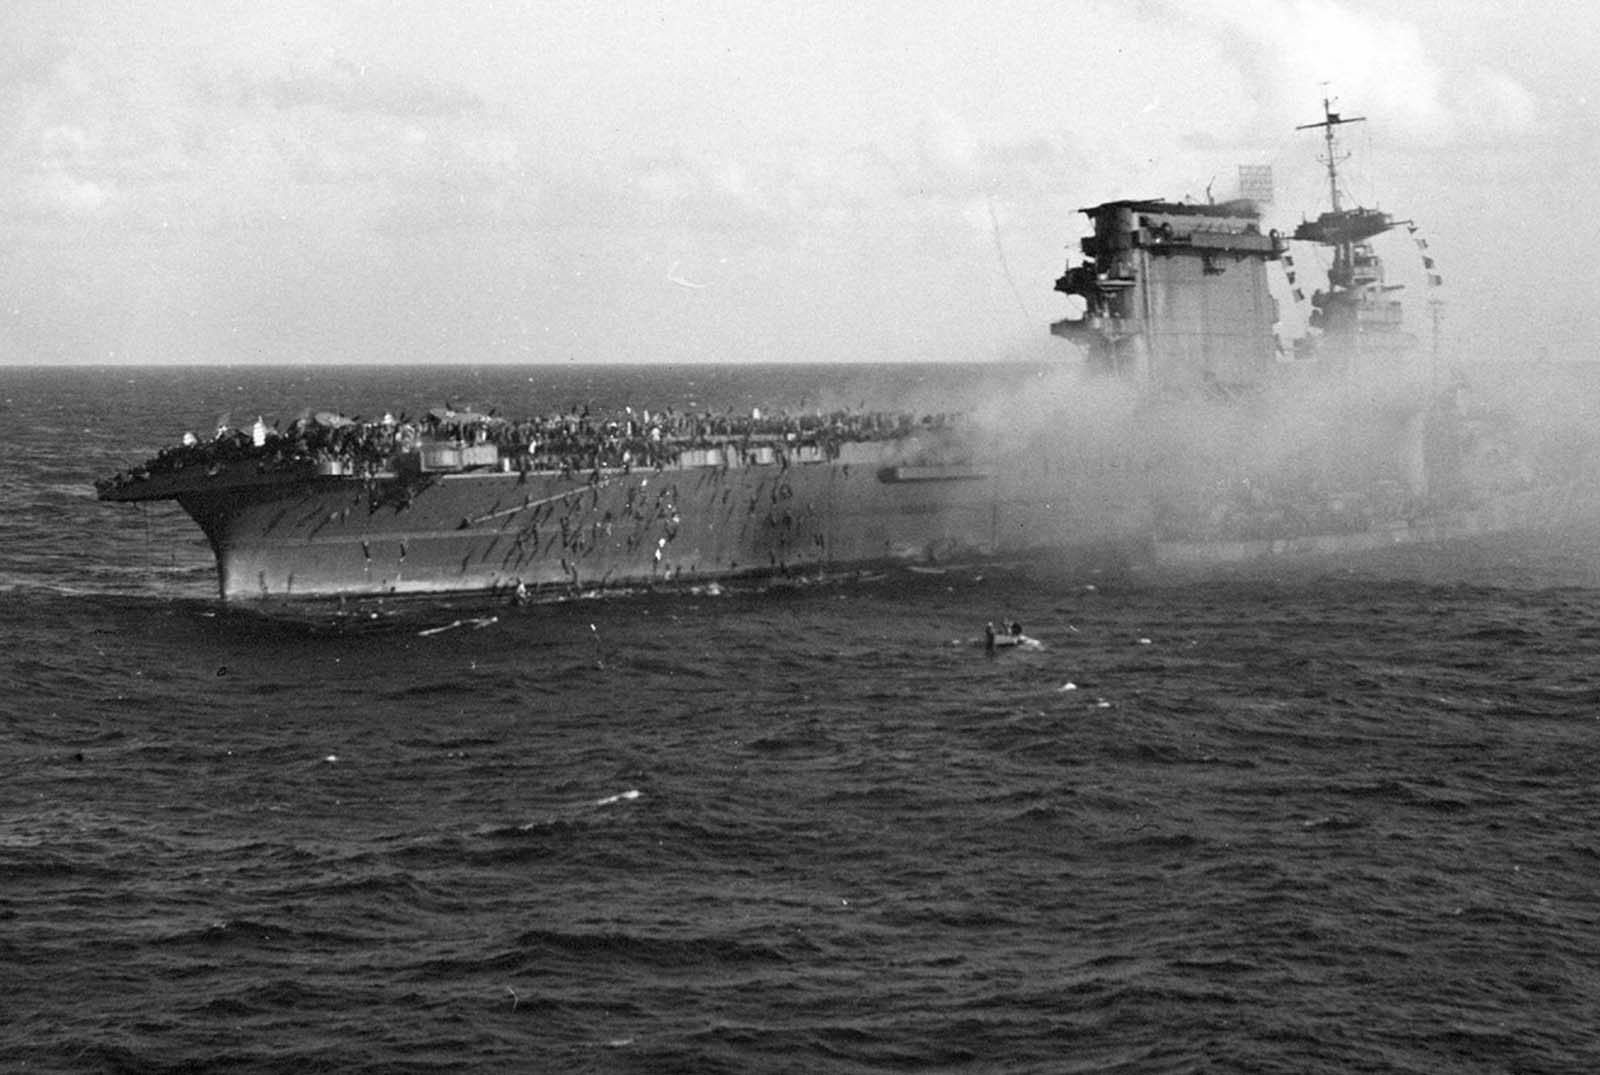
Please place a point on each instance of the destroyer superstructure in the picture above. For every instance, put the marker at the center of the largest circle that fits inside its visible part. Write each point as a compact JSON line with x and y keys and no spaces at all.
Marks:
{"x":1359,"y":315}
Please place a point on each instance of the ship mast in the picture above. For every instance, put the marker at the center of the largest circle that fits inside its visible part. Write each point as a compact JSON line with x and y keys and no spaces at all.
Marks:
{"x":1340,"y":228}
{"x":1330,"y":120}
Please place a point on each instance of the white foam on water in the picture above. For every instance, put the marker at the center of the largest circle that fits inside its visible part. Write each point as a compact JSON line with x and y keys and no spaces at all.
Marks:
{"x":625,"y":796}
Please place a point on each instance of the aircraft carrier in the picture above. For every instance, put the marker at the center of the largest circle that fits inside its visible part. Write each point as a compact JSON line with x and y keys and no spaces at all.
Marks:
{"x":1177,"y":301}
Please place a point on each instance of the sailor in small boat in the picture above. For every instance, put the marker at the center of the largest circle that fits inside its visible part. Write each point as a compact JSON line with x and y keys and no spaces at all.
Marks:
{"x":1010,"y":636}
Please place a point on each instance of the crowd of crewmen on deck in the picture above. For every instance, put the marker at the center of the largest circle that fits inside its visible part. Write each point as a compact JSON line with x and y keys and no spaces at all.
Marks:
{"x":575,"y":441}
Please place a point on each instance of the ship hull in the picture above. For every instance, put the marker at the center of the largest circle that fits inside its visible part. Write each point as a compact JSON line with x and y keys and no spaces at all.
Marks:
{"x":551,"y":533}
{"x":1530,"y":511}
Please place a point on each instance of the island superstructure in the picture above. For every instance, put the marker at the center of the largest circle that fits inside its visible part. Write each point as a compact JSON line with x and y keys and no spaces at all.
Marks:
{"x":1176,"y":295}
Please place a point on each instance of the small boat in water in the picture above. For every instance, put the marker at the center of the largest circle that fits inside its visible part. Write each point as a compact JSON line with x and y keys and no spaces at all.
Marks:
{"x":1008,"y":636}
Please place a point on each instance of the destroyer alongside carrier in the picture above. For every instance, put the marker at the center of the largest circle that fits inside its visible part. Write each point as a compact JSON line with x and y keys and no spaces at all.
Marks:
{"x":1177,"y":303}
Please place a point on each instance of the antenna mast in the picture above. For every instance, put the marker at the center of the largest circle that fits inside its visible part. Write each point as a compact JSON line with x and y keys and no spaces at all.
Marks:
{"x":1330,"y":120}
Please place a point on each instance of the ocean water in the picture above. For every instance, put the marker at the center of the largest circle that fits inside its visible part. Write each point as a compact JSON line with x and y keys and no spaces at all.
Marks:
{"x":1331,"y":818}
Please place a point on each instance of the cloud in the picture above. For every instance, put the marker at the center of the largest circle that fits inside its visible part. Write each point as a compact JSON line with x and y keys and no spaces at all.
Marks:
{"x":31,"y":63}
{"x":348,"y":86}
{"x":1497,"y":104}
{"x":942,"y":177}
{"x":947,"y":152}
{"x":57,"y":193}
{"x":332,"y":145}
{"x":1373,"y":61}
{"x":905,"y":156}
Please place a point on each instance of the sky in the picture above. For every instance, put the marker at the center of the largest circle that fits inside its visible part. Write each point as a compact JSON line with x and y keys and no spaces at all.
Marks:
{"x":488,"y":181}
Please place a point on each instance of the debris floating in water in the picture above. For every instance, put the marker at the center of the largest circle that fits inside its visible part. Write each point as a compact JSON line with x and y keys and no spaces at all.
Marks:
{"x":477,"y":623}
